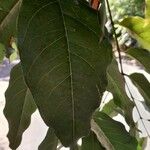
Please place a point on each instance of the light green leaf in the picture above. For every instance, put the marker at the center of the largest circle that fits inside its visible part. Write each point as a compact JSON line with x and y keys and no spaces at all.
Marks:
{"x":116,"y":86}
{"x":112,"y":134}
{"x":142,"y":143}
{"x":91,"y":142}
{"x":14,"y":55}
{"x":8,"y":20}
{"x":143,"y":86}
{"x":139,"y":29}
{"x":63,"y":63}
{"x":142,"y":55}
{"x":19,"y":107}
{"x":111,"y":108}
{"x":147,"y":9}
{"x":50,"y":142}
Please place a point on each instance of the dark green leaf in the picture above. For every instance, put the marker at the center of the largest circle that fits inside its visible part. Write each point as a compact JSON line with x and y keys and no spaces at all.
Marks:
{"x":63,"y":64}
{"x":143,"y":86}
{"x":112,"y":134}
{"x":116,"y":86}
{"x":142,"y":55}
{"x":9,"y":10}
{"x":19,"y":107}
{"x":91,"y":143}
{"x":50,"y":142}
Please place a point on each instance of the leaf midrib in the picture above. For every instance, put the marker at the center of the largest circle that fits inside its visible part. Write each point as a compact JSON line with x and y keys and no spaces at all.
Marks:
{"x":70,"y":72}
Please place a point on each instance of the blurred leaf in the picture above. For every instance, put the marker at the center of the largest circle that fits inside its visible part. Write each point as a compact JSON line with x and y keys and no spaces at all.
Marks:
{"x":2,"y":52}
{"x":142,"y":55}
{"x":9,"y":10}
{"x":14,"y":55}
{"x":147,"y":9}
{"x":142,"y":143}
{"x":50,"y":142}
{"x":91,"y":142}
{"x":110,"y":108}
{"x":94,"y":4}
{"x":102,"y":17}
{"x":121,"y":8}
{"x":145,"y":106}
{"x":19,"y":107}
{"x":63,"y":63}
{"x":112,"y":134}
{"x":143,"y":86}
{"x":139,"y":29}
{"x":116,"y":86}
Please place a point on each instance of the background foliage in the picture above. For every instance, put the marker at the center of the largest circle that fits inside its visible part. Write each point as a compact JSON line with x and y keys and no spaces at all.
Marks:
{"x":66,"y":66}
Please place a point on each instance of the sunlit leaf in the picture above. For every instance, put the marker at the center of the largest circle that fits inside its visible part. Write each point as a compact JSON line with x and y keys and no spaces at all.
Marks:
{"x":147,"y":9}
{"x":112,"y":134}
{"x":139,"y":29}
{"x":14,"y":55}
{"x":63,"y":63}
{"x":50,"y":142}
{"x":19,"y":107}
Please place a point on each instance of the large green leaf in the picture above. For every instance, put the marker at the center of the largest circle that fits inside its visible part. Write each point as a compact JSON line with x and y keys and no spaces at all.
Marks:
{"x":63,"y":63}
{"x":143,"y":86}
{"x":91,"y":142}
{"x":116,"y":86}
{"x":112,"y":134}
{"x":139,"y":29}
{"x":142,"y":55}
{"x":50,"y":142}
{"x":8,"y":19}
{"x":19,"y":107}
